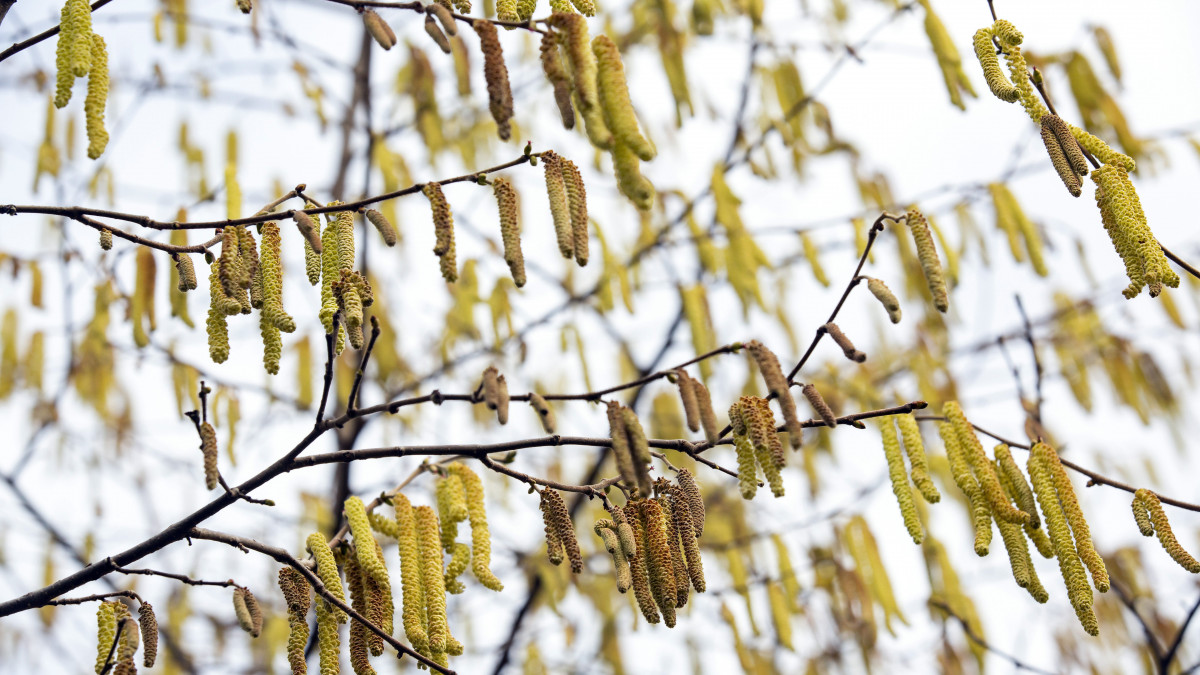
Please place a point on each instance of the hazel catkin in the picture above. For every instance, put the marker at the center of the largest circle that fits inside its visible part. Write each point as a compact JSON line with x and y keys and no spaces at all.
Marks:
{"x":1152,"y":519}
{"x":249,"y":614}
{"x":481,"y":538}
{"x":819,"y":405}
{"x":899,"y":477}
{"x":687,"y":396}
{"x":577,"y":204}
{"x":106,"y":632}
{"x":148,"y":625}
{"x":379,"y":29}
{"x":618,"y":110}
{"x":560,"y":519}
{"x":443,"y":224}
{"x":97,"y":98}
{"x":658,"y":560}
{"x":208,"y":448}
{"x":638,"y":566}
{"x":544,"y":411}
{"x":327,"y":571}
{"x":927,"y":254}
{"x":495,"y":72}
{"x":382,"y":225}
{"x":844,"y":343}
{"x":886,"y":297}
{"x":777,"y":384}
{"x":552,"y":66}
{"x":510,"y":228}
{"x":74,"y":53}
{"x":556,"y":191}
{"x":914,"y":447}
{"x":574,"y":36}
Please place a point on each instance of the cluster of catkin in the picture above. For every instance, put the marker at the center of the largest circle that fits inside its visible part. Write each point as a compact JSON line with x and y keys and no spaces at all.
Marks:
{"x":424,"y":535}
{"x":82,"y":53}
{"x":631,"y":448}
{"x":653,"y":544}
{"x":758,"y":446}
{"x":118,"y":636}
{"x":593,"y":82}
{"x":1068,"y":147}
{"x":697,"y":405}
{"x":917,"y":469}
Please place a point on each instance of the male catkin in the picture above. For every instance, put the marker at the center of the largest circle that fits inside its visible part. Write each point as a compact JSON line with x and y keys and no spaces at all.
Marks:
{"x":622,"y":454}
{"x":510,"y":228}
{"x":886,"y":297}
{"x":97,"y":98}
{"x":914,"y":447}
{"x":443,"y":224}
{"x":899,"y":477}
{"x":560,"y":519}
{"x":577,"y":203}
{"x":74,"y":54}
{"x":148,"y":624}
{"x":208,"y":448}
{"x":411,"y":576}
{"x":379,"y":29}
{"x":614,"y":99}
{"x":381,"y":223}
{"x":553,"y":67}
{"x":844,"y":343}
{"x":556,"y":191}
{"x":544,"y":411}
{"x":574,"y":36}
{"x":106,"y":632}
{"x":328,"y":572}
{"x":777,"y":384}
{"x":638,"y":565}
{"x":687,"y":395}
{"x":364,"y":540}
{"x":1152,"y":519}
{"x":432,"y":576}
{"x":481,"y":538}
{"x":927,"y":254}
{"x":495,"y":73}
{"x":658,"y":560}
{"x":819,"y":405}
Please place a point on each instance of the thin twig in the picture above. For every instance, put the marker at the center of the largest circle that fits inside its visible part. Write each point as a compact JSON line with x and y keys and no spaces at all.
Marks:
{"x":43,"y":36}
{"x":977,"y":639}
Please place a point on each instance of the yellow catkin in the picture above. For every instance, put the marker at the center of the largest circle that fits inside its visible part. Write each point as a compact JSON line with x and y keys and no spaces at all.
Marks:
{"x":960,"y":470}
{"x":577,"y":204}
{"x":451,"y":499}
{"x":574,"y":37}
{"x":844,"y":343}
{"x":556,"y":190}
{"x":208,"y":448}
{"x":560,"y":519}
{"x":1009,"y":471}
{"x":106,"y":632}
{"x":947,"y":56}
{"x":1033,"y":530}
{"x":544,"y":411}
{"x":886,"y":297}
{"x":760,"y":422}
{"x":678,"y":562}
{"x":510,"y":228}
{"x":481,"y":538}
{"x":585,"y":7}
{"x":460,"y":560}
{"x":658,"y":560}
{"x":1125,"y":222}
{"x":638,"y":564}
{"x":622,"y":455}
{"x":927,"y":254}
{"x":141,"y":308}
{"x":1074,"y":576}
{"x":687,"y":395}
{"x":185,"y":273}
{"x":914,"y":447}
{"x":685,"y":527}
{"x":819,"y":405}
{"x":382,"y":225}
{"x":557,"y":75}
{"x":328,"y":641}
{"x":1103,"y":152}
{"x":247,"y":611}
{"x":74,"y":53}
{"x":443,"y":225}
{"x":148,"y":626}
{"x":639,"y":448}
{"x":495,"y":73}
{"x":411,"y":577}
{"x":747,"y":471}
{"x":364,"y":540}
{"x":630,"y":180}
{"x":1152,"y":519}
{"x":328,"y":572}
{"x":984,"y":471}
{"x":813,"y":255}
{"x":621,"y":567}
{"x":432,"y":576}
{"x":1074,"y":515}
{"x":899,"y":477}
{"x":357,"y":646}
{"x":614,"y":99}
{"x":1019,"y":561}
{"x":97,"y":98}
{"x":985,"y":51}
{"x":777,"y":384}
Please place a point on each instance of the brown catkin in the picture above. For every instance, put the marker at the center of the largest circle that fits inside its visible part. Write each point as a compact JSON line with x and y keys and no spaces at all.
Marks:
{"x":772,"y":373}
{"x":1152,"y":519}
{"x":844,"y":342}
{"x":382,"y":225}
{"x":500,"y":100}
{"x":818,"y":404}
{"x":556,"y":191}
{"x":658,"y":560}
{"x":443,"y":227}
{"x":687,"y":394}
{"x":378,"y":28}
{"x":308,"y":229}
{"x":927,"y":254}
{"x":187,"y":273}
{"x":1058,"y":158}
{"x":554,"y":543}
{"x":689,"y":491}
{"x":678,"y":561}
{"x":577,"y":201}
{"x":297,"y":597}
{"x":639,"y":448}
{"x":357,"y":646}
{"x":685,"y":521}
{"x":148,"y":624}
{"x":708,"y":416}
{"x":622,"y":454}
{"x":886,"y":297}
{"x":510,"y":228}
{"x":544,"y":411}
{"x":208,"y":447}
{"x":637,"y":565}
{"x":557,"y":75}
{"x":435,"y":33}
{"x":560,"y":518}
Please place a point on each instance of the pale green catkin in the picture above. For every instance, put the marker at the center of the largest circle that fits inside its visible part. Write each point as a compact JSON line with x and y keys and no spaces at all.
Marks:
{"x":914,"y":447}
{"x":328,"y":572}
{"x":364,"y":540}
{"x":927,"y":254}
{"x":899,"y":477}
{"x":1152,"y":519}
{"x":481,"y":538}
{"x":886,"y":297}
{"x":577,"y":204}
{"x":97,"y":98}
{"x":556,"y":190}
{"x":574,"y":36}
{"x":981,"y":514}
{"x":618,"y":110}
{"x":1074,"y":516}
{"x":74,"y":53}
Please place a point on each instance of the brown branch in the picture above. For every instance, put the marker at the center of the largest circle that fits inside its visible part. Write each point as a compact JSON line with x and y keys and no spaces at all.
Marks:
{"x":282,"y":556}
{"x":93,"y":598}
{"x":977,"y":639}
{"x":228,"y":583}
{"x":41,"y":37}
{"x":1172,"y":651}
{"x":420,"y":7}
{"x":590,"y":491}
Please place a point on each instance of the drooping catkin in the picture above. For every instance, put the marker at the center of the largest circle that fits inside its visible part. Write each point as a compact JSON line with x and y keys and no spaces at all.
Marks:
{"x":460,"y":560}
{"x":819,"y":405}
{"x":914,"y":447}
{"x":1058,"y":154}
{"x":379,"y":29}
{"x":687,"y":395}
{"x":382,"y":225}
{"x":328,"y":640}
{"x":141,"y":307}
{"x":886,"y":297}
{"x":1019,"y":561}
{"x":638,"y":565}
{"x":443,"y":225}
{"x":364,"y":539}
{"x":1125,"y":221}
{"x":74,"y":53}
{"x":559,"y":518}
{"x":554,"y":543}
{"x":777,"y":384}
{"x":678,"y":561}
{"x":271,"y":279}
{"x":747,"y":467}
{"x":927,"y":254}
{"x":630,"y":181}
{"x":574,"y":36}
{"x":577,"y":203}
{"x":297,"y":596}
{"x":495,"y":72}
{"x":985,"y":472}
{"x":992,"y":72}
{"x":689,"y":491}
{"x":215,"y":324}
{"x":614,"y":98}
{"x":1152,"y":519}
{"x":510,"y":228}
{"x":639,"y":449}
{"x":1023,"y":495}
{"x":248,"y":613}
{"x":328,"y":572}
{"x":553,"y":67}
{"x":899,"y":477}
{"x":97,"y":98}
{"x":148,"y":626}
{"x":185,"y":272}
{"x":451,"y":498}
{"x":1074,"y":516}
{"x":432,"y":576}
{"x":106,"y":632}
{"x":658,"y":560}
{"x":556,"y":190}
{"x":544,"y":411}
{"x":625,"y":533}
{"x":435,"y":33}
{"x":106,"y":240}
{"x":359,"y":659}
{"x":208,"y":448}
{"x":1074,"y":576}
{"x":685,"y":522}
{"x":411,"y":576}
{"x":481,"y":538}
{"x":613,"y":546}
{"x":708,"y":416}
{"x":960,"y":470}
{"x":844,"y":343}
{"x":622,"y":454}
{"x":444,"y":16}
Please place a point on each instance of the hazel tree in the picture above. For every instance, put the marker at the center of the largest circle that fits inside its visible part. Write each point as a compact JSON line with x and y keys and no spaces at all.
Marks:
{"x":674,"y":305}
